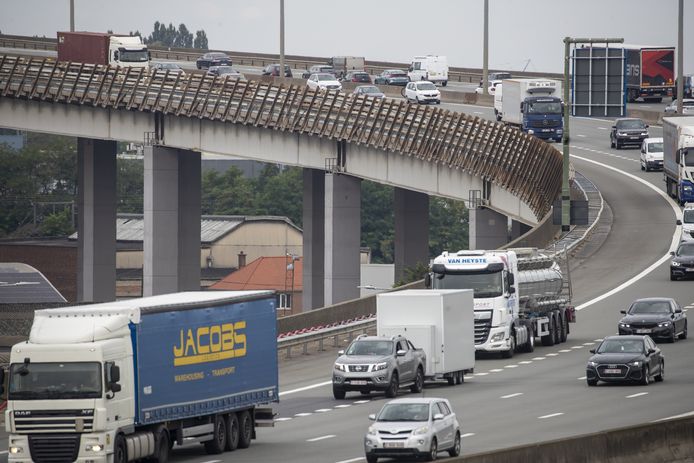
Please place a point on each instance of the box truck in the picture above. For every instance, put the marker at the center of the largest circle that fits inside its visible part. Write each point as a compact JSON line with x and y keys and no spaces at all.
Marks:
{"x":343,"y":64}
{"x":650,"y":72}
{"x":100,"y":48}
{"x":126,"y":380}
{"x":440,"y":322}
{"x":678,"y":157}
{"x":430,"y":67}
{"x":533,"y":105}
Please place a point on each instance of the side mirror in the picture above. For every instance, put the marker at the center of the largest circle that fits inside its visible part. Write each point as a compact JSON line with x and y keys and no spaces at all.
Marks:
{"x":646,"y":125}
{"x":410,"y":69}
{"x":677,"y":157}
{"x":372,"y":417}
{"x":512,"y":290}
{"x":427,"y":280}
{"x":438,"y":416}
{"x":401,"y":353}
{"x":672,"y":253}
{"x":341,"y":352}
{"x":2,"y":381}
{"x":614,"y":126}
{"x":511,"y":278}
{"x":521,"y":107}
{"x":651,"y":351}
{"x":592,"y":351}
{"x":115,"y":55}
{"x":149,"y":55}
{"x":112,"y":377}
{"x":623,"y":311}
{"x":677,"y":310}
{"x":679,"y":222}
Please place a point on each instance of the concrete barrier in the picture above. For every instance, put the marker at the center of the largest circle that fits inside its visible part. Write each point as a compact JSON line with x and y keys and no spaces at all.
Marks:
{"x":662,"y":442}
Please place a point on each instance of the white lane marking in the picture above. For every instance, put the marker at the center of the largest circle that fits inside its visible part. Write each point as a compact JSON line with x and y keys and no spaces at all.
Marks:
{"x":691,"y":306}
{"x":343,"y":406}
{"x":361,"y":401}
{"x":580,"y":135}
{"x":581,"y":378}
{"x":588,"y":343}
{"x":316,"y":439}
{"x":284,"y":418}
{"x":352,"y":460}
{"x":468,"y":434}
{"x":602,"y":128}
{"x":684,"y":310}
{"x":212,"y":461}
{"x":2,"y":452}
{"x":639,"y":394}
{"x":538,"y":358}
{"x":303,"y":414}
{"x":511,"y":366}
{"x":656,"y":264}
{"x":551,"y":415}
{"x":305,"y":388}
{"x":674,"y":417}
{"x":323,"y":410}
{"x":526,"y":362}
{"x":496,"y":370}
{"x":598,"y":340}
{"x":577,"y":347}
{"x":481,"y":374}
{"x":564,"y":351}
{"x":551,"y":354}
{"x":515,"y":394}
{"x":478,"y":112}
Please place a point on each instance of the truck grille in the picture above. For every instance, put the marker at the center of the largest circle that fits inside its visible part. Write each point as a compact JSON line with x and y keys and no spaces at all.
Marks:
{"x":358,"y":368}
{"x":482,"y":328}
{"x":54,"y":448}
{"x":545,"y":123}
{"x":53,"y":421}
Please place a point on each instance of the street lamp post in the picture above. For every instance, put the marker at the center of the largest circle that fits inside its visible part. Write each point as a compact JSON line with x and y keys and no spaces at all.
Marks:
{"x":485,"y":53}
{"x":281,"y":71}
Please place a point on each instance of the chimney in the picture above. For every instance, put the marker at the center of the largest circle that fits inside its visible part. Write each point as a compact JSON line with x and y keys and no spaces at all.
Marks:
{"x":242,"y":259}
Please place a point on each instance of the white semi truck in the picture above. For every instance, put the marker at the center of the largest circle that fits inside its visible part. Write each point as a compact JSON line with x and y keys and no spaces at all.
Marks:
{"x":519,"y":294}
{"x":678,"y":157}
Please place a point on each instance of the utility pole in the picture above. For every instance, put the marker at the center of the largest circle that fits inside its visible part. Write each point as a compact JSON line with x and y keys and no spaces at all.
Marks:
{"x":565,"y":187}
{"x":281,"y":72}
{"x":680,"y":57}
{"x":72,"y":15}
{"x":485,"y":53}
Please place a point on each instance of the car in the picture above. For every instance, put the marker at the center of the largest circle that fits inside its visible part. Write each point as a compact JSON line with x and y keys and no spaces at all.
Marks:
{"x":682,"y":262}
{"x":626,"y":359}
{"x":357,"y":76}
{"x":491,"y":89}
{"x":369,"y":90}
{"x":422,"y":91}
{"x":392,"y":77}
{"x":688,"y":87}
{"x":225,"y":71}
{"x":173,"y":68}
{"x":213,"y":58}
{"x":687,"y":107}
{"x":413,"y":427}
{"x":687,"y":222}
{"x":274,"y":70}
{"x":659,"y":317}
{"x":652,"y":154}
{"x":323,"y":81}
{"x":492,"y":76}
{"x":316,"y":68}
{"x":628,"y":131}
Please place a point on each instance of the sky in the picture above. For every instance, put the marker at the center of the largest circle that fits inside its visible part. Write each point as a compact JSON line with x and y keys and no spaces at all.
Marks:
{"x":522,"y":33}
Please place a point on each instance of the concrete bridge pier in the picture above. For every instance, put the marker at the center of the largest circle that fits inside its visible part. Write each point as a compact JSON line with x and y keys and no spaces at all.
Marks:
{"x":96,"y":220}
{"x":314,"y":238}
{"x":518,"y":229}
{"x":172,"y":220}
{"x":411,"y":230}
{"x":488,"y":228}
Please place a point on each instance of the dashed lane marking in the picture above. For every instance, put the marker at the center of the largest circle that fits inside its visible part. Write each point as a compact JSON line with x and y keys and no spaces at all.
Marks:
{"x":509,"y":396}
{"x":303,"y":414}
{"x":496,"y":370}
{"x":551,"y":415}
{"x":481,"y":374}
{"x":582,"y":378}
{"x":305,"y":388}
{"x":362,"y":401}
{"x":553,"y":354}
{"x":284,"y":418}
{"x":511,"y":366}
{"x":598,"y":340}
{"x":352,"y":460}
{"x":525,"y":362}
{"x":577,"y":347}
{"x":468,"y":434}
{"x":316,"y":439}
{"x":675,"y":417}
{"x":602,"y":128}
{"x":588,"y":343}
{"x":638,"y":394}
{"x":581,"y":135}
{"x":563,"y":351}
{"x":538,"y":358}
{"x":323,"y":410}
{"x":343,"y":406}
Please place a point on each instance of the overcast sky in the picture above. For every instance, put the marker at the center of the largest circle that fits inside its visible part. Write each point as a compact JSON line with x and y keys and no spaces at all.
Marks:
{"x":522,"y":32}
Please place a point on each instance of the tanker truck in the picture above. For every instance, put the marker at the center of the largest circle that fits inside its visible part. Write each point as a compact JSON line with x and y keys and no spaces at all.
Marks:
{"x":519,"y":294}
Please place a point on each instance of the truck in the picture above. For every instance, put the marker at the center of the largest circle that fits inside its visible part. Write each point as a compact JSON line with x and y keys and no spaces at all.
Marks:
{"x":126,"y":380}
{"x":519,"y":294}
{"x":433,"y":68}
{"x":649,"y":71}
{"x":532,"y":105}
{"x":343,"y":64}
{"x":678,"y":157}
{"x":440,"y":322}
{"x":103,"y":48}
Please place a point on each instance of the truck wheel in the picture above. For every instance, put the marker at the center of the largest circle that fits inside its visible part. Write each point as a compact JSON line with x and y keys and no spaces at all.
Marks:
{"x":548,"y":340}
{"x":219,"y":441}
{"x":418,"y":382}
{"x":451,"y":379}
{"x":245,"y":429}
{"x":232,"y":432}
{"x":393,"y":387}
{"x":564,"y":328}
{"x":120,"y":451}
{"x":339,"y":394}
{"x":460,"y":377}
{"x":512,"y":349}
{"x":162,"y":453}
{"x":557,"y":327}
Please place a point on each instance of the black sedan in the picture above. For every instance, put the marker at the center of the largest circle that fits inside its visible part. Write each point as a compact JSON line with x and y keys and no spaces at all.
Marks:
{"x":625,"y":358}
{"x":392,"y":77}
{"x":628,"y":131}
{"x":659,"y":317}
{"x":682,"y":263}
{"x":213,"y":58}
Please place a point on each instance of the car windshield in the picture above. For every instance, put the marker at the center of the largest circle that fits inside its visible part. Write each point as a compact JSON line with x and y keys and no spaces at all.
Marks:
{"x":426,"y":86}
{"x":688,"y":216}
{"x":483,"y":284}
{"x":217,"y":55}
{"x":618,"y":346}
{"x":369,"y":90}
{"x":650,"y":307}
{"x":37,"y":381}
{"x":370,"y":348}
{"x":404,"y":412}
{"x":655,"y":147}
{"x":325,"y":77}
{"x":396,"y":74}
{"x":686,"y":249}
{"x":133,"y":56}
{"x":631,"y":124}
{"x":169,"y":66}
{"x":501,"y":75}
{"x":544,"y":107}
{"x":226,"y":70}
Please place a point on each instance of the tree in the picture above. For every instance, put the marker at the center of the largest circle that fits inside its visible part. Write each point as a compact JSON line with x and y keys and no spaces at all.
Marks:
{"x":227,"y":193}
{"x":130,"y":185}
{"x":448,"y":225}
{"x":58,"y":224}
{"x":169,"y":36}
{"x":280,"y":192}
{"x":377,"y":222}
{"x":200,"y":40}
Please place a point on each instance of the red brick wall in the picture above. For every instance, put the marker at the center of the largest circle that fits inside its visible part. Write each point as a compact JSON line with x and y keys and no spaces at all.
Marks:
{"x":57,"y":263}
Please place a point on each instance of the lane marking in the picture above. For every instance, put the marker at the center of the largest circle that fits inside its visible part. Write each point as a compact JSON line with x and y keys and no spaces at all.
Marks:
{"x":551,"y":415}
{"x":577,"y":347}
{"x":284,"y":418}
{"x":316,"y":439}
{"x":674,"y":417}
{"x":639,"y":394}
{"x":588,"y":343}
{"x":323,"y":410}
{"x":305,"y":388}
{"x":352,"y":460}
{"x":564,"y":351}
{"x":511,"y":366}
{"x":602,"y":128}
{"x":553,"y":354}
{"x":365,"y":401}
{"x":212,"y":461}
{"x":582,"y":378}
{"x":495,"y":370}
{"x":481,"y":374}
{"x":468,"y":434}
{"x":525,"y":362}
{"x":581,"y":135}
{"x":657,"y":263}
{"x":598,"y":340}
{"x":343,"y":406}
{"x":538,"y":358}
{"x":509,"y":396}
{"x":303,"y":414}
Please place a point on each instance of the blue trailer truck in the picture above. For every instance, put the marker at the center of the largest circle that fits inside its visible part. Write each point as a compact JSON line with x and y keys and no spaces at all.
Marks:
{"x":121,"y":381}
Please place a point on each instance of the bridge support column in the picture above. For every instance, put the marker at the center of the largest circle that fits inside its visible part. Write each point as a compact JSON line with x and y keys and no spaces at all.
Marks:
{"x":314,"y":238}
{"x":96,"y":220}
{"x":411,"y":230}
{"x":342,"y":237}
{"x":518,"y":229}
{"x":488,"y":229}
{"x":172,"y":221}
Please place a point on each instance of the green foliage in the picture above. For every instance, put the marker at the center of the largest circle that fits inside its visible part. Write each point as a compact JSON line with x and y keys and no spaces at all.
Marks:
{"x":58,"y":224}
{"x":130,"y":188}
{"x":200,"y":41}
{"x":448,"y":225}
{"x":413,"y":274}
{"x":227,"y":193}
{"x":377,"y":222}
{"x":280,"y":192}
{"x":169,"y":36}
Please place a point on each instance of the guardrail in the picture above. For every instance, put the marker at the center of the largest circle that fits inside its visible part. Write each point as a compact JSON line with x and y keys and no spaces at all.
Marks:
{"x":319,"y":337}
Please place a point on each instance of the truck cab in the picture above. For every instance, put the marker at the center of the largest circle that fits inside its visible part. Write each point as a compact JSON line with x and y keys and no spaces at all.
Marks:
{"x":128,"y":51}
{"x":543,"y":117}
{"x":430,"y":67}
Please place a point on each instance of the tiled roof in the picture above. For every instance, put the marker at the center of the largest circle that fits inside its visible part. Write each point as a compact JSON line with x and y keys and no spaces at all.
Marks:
{"x":265,"y":273}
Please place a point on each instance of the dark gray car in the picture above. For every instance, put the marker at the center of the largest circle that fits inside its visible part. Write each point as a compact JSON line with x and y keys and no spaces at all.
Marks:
{"x":628,"y":131}
{"x":625,"y":359}
{"x":682,"y":263}
{"x":659,"y":317}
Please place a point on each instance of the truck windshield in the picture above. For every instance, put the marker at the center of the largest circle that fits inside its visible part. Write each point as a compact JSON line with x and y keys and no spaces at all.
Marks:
{"x":133,"y":56}
{"x":483,"y":284}
{"x":689,"y":158}
{"x":544,"y":107}
{"x":37,"y":381}
{"x":688,"y":216}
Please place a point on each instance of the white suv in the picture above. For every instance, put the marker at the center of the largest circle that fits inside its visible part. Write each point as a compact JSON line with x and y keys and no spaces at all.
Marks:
{"x":323,"y":81}
{"x":422,"y":92}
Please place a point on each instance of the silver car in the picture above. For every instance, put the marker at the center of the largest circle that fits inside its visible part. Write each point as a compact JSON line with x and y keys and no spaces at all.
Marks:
{"x":687,"y":107}
{"x":413,"y":427}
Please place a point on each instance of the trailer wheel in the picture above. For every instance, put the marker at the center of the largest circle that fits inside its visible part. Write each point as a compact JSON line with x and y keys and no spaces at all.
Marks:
{"x":120,"y":451}
{"x":548,"y":340}
{"x":232,"y":432}
{"x":219,"y":441}
{"x":564,"y":328}
{"x":557,"y":327}
{"x":161,"y":454}
{"x":246,"y":429}
{"x":460,"y":377}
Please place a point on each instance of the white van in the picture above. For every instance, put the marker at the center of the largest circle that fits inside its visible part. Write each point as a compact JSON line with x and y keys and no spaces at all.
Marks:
{"x":687,"y":222}
{"x":430,"y":67}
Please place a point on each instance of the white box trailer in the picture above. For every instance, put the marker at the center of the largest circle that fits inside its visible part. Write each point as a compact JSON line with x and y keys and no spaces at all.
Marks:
{"x":441,"y":322}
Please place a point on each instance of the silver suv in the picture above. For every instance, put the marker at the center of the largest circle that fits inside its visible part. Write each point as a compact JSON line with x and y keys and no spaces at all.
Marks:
{"x":413,"y":428}
{"x":378,"y":363}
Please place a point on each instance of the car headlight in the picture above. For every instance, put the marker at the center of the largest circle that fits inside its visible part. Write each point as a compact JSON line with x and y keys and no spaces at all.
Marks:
{"x":380,"y":366}
{"x":422,"y":430}
{"x":341,"y":367}
{"x":674,"y":263}
{"x":14,"y":450}
{"x":593,"y":364}
{"x":635,"y":364}
{"x":664,"y":324}
{"x":621,"y":134}
{"x":624,"y":325}
{"x":372,"y":431}
{"x":644,"y":134}
{"x":94,"y":447}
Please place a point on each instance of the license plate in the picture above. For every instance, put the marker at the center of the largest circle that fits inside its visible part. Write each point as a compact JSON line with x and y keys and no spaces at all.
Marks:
{"x":633,"y":138}
{"x":546,"y":130}
{"x":690,"y":269}
{"x":613,"y":371}
{"x":643,"y":331}
{"x":359,"y":382}
{"x":393,"y":445}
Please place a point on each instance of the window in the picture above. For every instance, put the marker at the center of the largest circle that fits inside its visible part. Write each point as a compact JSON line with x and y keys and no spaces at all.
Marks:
{"x":443,"y":408}
{"x":284,"y":301}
